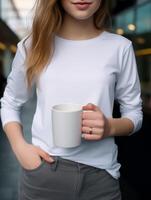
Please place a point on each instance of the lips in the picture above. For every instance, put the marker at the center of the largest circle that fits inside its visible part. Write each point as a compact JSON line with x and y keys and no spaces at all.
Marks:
{"x":85,"y":2}
{"x":82,"y":5}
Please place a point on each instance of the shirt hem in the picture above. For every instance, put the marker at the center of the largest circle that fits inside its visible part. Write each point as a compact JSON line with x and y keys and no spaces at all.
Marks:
{"x":44,"y":147}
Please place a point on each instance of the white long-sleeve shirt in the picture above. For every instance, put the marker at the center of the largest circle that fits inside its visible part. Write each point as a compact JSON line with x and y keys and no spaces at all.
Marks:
{"x":96,"y":70}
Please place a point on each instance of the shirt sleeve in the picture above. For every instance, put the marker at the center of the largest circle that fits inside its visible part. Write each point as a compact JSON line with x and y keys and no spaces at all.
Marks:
{"x":16,"y":92}
{"x":128,"y":91}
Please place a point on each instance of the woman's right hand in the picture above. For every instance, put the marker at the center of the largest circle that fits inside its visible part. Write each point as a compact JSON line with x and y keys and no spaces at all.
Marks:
{"x":29,"y":156}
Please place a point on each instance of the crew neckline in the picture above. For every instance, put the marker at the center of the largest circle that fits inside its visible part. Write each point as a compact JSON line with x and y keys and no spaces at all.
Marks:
{"x":83,"y":41}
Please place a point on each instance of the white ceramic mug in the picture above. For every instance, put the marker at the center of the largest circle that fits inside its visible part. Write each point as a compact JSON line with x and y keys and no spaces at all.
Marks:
{"x":66,"y":124}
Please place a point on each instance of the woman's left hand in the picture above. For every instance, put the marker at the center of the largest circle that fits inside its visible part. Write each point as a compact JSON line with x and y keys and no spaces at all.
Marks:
{"x":95,"y":126}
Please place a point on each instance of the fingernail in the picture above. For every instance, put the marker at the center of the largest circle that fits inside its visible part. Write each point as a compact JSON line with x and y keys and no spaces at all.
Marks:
{"x":51,"y":160}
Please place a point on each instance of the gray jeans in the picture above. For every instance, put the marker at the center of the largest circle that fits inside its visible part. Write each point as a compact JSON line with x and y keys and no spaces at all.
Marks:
{"x":67,"y":180}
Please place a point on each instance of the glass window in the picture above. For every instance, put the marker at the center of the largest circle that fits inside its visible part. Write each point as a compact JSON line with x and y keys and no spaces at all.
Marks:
{"x":144,"y":18}
{"x":124,"y":19}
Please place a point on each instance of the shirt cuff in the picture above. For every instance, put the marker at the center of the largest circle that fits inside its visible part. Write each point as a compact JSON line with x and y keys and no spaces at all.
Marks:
{"x":136,"y":120}
{"x":9,"y":116}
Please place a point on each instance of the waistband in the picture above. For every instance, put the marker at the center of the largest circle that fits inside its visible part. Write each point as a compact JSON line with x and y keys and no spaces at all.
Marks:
{"x":71,"y":165}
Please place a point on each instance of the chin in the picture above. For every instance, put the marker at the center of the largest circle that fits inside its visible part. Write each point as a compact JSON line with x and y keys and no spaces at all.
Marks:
{"x":81,"y":17}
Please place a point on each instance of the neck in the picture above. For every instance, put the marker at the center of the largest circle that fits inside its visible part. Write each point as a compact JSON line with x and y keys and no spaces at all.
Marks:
{"x":78,"y":29}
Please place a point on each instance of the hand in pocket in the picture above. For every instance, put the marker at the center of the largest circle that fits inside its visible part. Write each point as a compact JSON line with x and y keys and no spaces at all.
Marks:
{"x":29,"y":156}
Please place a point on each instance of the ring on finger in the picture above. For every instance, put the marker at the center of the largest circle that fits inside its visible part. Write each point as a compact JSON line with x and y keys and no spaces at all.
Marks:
{"x":91,"y":131}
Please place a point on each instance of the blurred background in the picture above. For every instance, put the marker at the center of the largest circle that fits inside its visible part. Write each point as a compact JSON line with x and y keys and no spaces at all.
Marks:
{"x":130,"y":18}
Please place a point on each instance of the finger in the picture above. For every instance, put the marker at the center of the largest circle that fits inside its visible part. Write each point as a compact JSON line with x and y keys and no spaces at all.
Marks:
{"x":97,"y":131}
{"x":93,"y":123}
{"x":86,"y":129}
{"x":91,"y":137}
{"x":45,"y":155}
{"x":91,"y":106}
{"x":91,"y":115}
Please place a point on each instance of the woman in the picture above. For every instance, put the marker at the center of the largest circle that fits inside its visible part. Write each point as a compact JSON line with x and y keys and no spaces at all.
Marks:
{"x":71,"y":57}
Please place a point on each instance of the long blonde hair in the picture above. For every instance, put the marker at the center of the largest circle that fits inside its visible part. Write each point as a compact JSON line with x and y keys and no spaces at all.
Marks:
{"x":47,"y":21}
